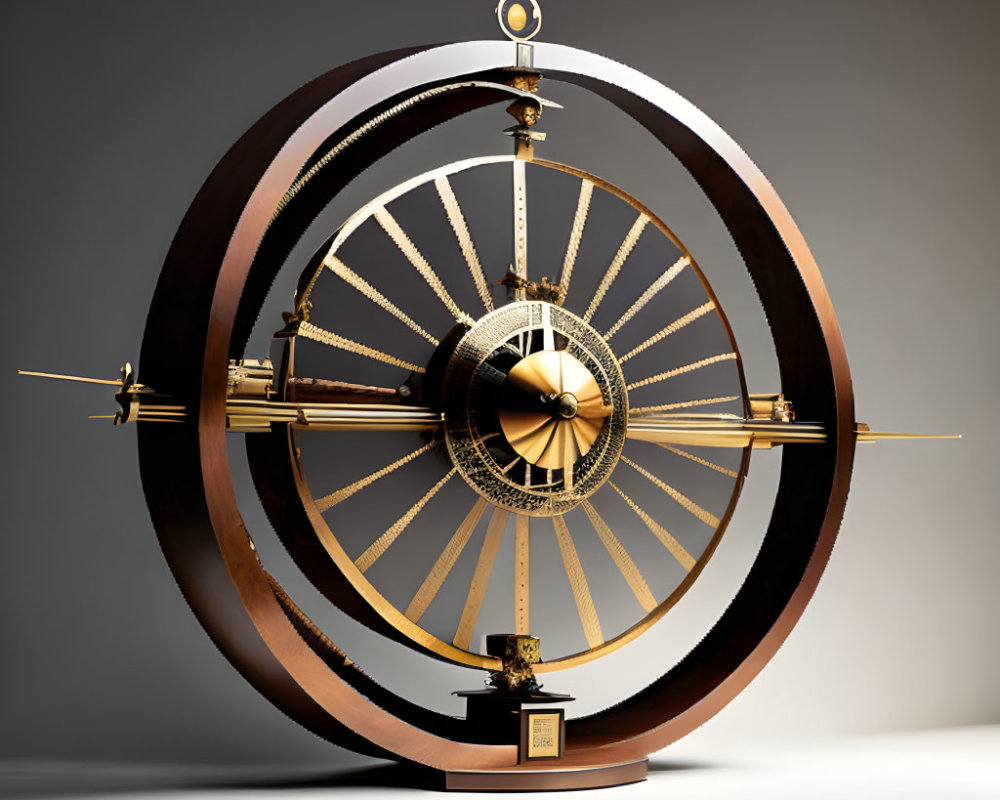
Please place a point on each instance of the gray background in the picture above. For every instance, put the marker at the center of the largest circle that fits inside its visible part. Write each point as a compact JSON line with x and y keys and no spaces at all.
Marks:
{"x":874,"y":120}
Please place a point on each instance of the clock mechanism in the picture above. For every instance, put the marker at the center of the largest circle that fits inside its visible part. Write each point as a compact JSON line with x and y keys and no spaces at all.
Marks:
{"x":505,"y":423}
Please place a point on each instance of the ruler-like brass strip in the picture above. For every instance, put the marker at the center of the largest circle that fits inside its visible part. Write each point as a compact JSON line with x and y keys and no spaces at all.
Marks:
{"x":446,"y":561}
{"x":461,"y":228}
{"x":705,"y":362}
{"x":673,"y":327}
{"x":349,"y":276}
{"x":310,"y":331}
{"x":677,"y":550}
{"x":481,"y":578}
{"x":626,"y":565}
{"x":654,"y":289}
{"x":380,"y":545}
{"x":686,"y":502}
{"x":414,"y":256}
{"x":578,"y":583}
{"x":576,"y":232}
{"x":328,"y":502}
{"x":616,"y":265}
{"x":522,"y":574}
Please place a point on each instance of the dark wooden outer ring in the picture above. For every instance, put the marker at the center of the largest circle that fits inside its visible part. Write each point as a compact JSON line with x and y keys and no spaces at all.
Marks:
{"x":216,"y":275}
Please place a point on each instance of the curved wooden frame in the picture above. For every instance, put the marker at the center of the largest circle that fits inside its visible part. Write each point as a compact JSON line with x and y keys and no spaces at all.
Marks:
{"x":222,"y":262}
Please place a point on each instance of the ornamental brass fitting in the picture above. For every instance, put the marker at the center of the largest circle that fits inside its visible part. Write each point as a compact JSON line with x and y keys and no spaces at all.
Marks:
{"x":517,"y":653}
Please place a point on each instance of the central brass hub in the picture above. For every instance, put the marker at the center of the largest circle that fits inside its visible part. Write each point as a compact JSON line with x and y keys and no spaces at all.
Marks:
{"x":562,"y":413}
{"x":535,"y":408}
{"x":567,"y":405}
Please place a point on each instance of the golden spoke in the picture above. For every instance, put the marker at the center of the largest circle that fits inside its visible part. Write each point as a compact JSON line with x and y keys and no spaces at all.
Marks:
{"x":328,"y":502}
{"x":697,"y":460}
{"x":341,"y":270}
{"x":380,"y":545}
{"x":576,"y":233}
{"x":705,"y":362}
{"x":310,"y":331}
{"x":481,"y":578}
{"x":446,"y":561}
{"x":707,"y":401}
{"x":673,"y":327}
{"x":616,"y":265}
{"x":684,"y":558}
{"x":621,"y":557}
{"x":578,"y":583}
{"x":522,"y":574}
{"x":458,"y":224}
{"x":413,"y":255}
{"x":655,"y":288}
{"x":689,"y":505}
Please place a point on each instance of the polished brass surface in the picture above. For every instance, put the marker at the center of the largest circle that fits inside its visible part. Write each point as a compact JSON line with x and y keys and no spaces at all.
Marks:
{"x":581,"y":451}
{"x":569,"y":418}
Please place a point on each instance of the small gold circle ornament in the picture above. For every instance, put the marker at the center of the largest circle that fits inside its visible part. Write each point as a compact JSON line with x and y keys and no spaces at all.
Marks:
{"x":517,"y":17}
{"x":518,"y":21}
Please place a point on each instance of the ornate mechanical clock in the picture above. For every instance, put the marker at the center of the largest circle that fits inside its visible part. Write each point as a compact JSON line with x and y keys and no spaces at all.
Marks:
{"x":464,"y":412}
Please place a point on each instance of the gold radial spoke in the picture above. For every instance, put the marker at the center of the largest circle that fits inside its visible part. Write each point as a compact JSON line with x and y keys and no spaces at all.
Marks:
{"x":328,"y":502}
{"x":458,"y":224}
{"x":616,"y":265}
{"x":576,"y":233}
{"x":706,"y":401}
{"x":686,"y":502}
{"x":698,"y":460}
{"x":310,"y":331}
{"x":349,"y":276}
{"x":654,"y":289}
{"x":578,"y":583}
{"x":481,"y":578}
{"x":446,"y":561}
{"x":673,"y":373}
{"x":413,"y":255}
{"x":522,"y":574}
{"x":673,"y":327}
{"x":677,"y":550}
{"x":380,"y":545}
{"x":621,"y":557}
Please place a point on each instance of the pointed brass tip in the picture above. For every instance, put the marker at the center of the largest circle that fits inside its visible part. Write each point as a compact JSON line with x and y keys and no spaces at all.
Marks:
{"x":59,"y":377}
{"x":866,"y":434}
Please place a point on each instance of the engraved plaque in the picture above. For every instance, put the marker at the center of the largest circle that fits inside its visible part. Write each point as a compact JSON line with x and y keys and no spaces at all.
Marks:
{"x":543,"y":735}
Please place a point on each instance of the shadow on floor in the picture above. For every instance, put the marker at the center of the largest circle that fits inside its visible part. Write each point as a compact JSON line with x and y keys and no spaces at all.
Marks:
{"x":63,"y":780}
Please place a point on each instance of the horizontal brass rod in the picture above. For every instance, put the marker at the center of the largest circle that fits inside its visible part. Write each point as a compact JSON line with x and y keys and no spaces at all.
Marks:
{"x":707,"y":431}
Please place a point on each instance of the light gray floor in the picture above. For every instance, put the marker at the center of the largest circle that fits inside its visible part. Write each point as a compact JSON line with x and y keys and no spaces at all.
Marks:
{"x":955,"y":764}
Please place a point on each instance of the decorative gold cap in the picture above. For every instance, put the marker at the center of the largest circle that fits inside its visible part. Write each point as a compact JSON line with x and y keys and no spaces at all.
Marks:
{"x":520,"y":20}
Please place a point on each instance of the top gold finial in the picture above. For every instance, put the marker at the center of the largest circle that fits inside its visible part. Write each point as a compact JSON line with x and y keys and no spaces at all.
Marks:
{"x":521,"y":20}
